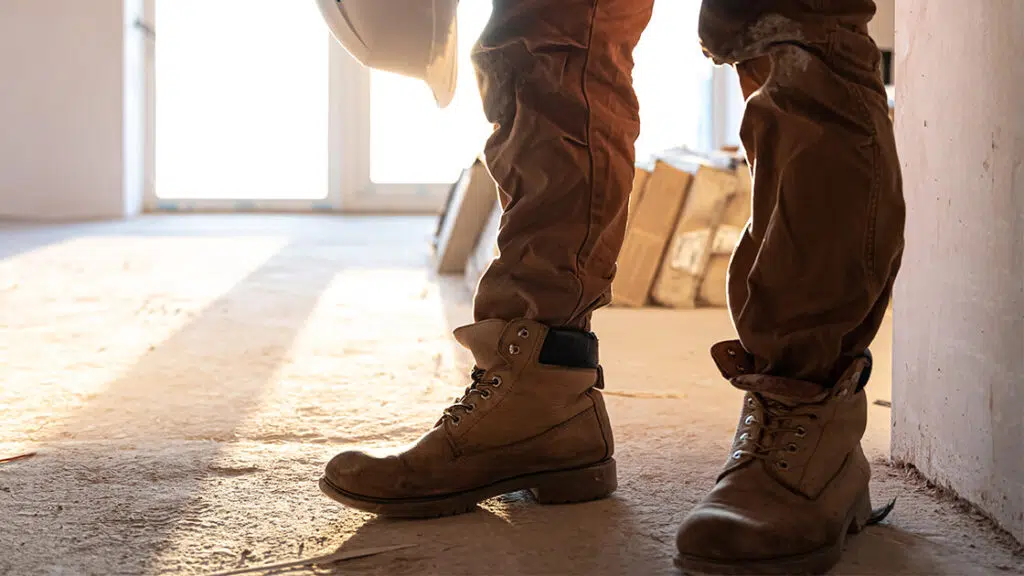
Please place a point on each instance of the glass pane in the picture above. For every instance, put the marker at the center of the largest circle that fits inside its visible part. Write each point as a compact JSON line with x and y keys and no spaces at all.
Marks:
{"x":241,"y":100}
{"x":411,"y":140}
{"x":672,"y":81}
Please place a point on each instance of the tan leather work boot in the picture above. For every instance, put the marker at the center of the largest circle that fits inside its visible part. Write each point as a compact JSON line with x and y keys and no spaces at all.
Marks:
{"x":795,"y":483}
{"x":533,"y":419}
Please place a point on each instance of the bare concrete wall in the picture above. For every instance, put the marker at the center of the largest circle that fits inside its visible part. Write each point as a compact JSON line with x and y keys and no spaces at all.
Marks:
{"x":958,"y":384}
{"x":69,"y":122}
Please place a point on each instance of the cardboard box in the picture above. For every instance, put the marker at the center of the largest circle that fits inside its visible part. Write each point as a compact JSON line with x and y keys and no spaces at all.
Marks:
{"x":650,"y":226}
{"x":485,"y":250}
{"x":683,"y":269}
{"x":470,"y":203}
{"x":714,"y":290}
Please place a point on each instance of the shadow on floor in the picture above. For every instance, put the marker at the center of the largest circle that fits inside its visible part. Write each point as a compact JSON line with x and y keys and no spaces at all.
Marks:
{"x":142,"y":495}
{"x":886,"y":549}
{"x":17,"y":238}
{"x":513,"y":535}
{"x":171,"y":388}
{"x":599,"y":538}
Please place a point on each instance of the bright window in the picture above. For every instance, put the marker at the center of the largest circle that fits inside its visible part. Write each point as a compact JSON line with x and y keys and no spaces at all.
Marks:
{"x":672,"y":80}
{"x":411,"y":140}
{"x":241,"y":100}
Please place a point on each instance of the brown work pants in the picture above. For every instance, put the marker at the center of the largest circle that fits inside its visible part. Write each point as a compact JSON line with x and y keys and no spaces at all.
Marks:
{"x":811,"y":277}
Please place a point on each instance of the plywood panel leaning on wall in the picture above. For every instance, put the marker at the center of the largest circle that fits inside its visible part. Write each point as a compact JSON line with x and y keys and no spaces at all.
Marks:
{"x":485,"y":250}
{"x":469,"y":204}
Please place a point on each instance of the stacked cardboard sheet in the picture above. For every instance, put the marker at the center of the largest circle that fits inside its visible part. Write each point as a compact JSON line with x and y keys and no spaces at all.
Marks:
{"x":686,"y":213}
{"x":470,"y":202}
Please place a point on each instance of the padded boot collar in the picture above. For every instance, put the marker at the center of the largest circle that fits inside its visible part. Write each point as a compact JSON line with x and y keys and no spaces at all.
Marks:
{"x":481,"y":339}
{"x":496,"y":343}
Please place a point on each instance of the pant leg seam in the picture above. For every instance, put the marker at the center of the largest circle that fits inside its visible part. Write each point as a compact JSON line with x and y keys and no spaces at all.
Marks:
{"x":870,"y":231}
{"x":590,"y":158}
{"x":876,"y":178}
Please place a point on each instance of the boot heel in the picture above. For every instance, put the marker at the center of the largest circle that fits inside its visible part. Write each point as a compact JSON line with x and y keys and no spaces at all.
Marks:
{"x":580,"y":485}
{"x":861,"y":513}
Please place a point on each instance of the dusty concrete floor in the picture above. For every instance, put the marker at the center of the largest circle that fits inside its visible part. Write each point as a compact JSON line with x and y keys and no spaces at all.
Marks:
{"x":185,"y":378}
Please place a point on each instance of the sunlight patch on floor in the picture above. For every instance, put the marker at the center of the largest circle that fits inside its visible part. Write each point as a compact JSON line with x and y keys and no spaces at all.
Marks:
{"x":64,"y":341}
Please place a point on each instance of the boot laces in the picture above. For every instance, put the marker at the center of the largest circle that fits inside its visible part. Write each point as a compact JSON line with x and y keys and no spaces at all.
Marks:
{"x":760,"y":440}
{"x":481,"y":386}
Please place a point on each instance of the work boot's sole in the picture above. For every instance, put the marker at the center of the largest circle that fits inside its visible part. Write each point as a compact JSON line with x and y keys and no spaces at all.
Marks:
{"x":817,"y":562}
{"x":556,"y":487}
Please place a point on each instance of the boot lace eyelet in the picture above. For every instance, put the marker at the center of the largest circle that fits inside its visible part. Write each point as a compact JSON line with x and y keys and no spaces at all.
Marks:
{"x":782,"y":465}
{"x":470,"y":408}
{"x":737,"y":455}
{"x":455,"y":421}
{"x":750,"y":402}
{"x":496,"y":382}
{"x":792,"y":448}
{"x":485,"y":394}
{"x":749,"y":420}
{"x":731,"y":353}
{"x":524,"y":333}
{"x":801,"y":432}
{"x":513,"y":349}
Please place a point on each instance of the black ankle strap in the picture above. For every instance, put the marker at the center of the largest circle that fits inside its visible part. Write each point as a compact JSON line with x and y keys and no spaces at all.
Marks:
{"x":569,"y":348}
{"x":865,"y":375}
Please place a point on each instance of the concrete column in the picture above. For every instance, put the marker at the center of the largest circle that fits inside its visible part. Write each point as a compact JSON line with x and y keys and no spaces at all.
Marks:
{"x":71,"y":109}
{"x":958,"y":383}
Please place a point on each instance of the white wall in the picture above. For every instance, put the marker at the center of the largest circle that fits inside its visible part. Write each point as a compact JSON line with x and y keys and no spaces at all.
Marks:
{"x":958,"y":386}
{"x":63,"y":134}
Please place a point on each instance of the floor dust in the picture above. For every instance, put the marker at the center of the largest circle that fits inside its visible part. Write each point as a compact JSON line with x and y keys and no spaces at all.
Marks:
{"x":184,"y":379}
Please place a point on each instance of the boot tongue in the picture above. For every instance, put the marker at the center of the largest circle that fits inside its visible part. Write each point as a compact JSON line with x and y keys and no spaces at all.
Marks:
{"x":482,"y":339}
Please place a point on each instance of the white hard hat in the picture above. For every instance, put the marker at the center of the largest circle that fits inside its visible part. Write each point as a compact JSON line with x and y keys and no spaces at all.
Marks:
{"x":416,"y":38}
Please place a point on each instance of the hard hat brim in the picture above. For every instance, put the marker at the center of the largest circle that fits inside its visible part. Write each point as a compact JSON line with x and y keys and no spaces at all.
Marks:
{"x":442,"y":73}
{"x":342,"y":31}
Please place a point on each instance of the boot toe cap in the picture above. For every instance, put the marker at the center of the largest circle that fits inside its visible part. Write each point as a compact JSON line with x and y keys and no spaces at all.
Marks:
{"x":725,"y":535}
{"x":352,"y":472}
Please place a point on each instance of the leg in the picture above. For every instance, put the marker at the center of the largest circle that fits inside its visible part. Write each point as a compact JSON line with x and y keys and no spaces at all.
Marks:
{"x":555,"y":78}
{"x":812,"y":276}
{"x":808,"y":286}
